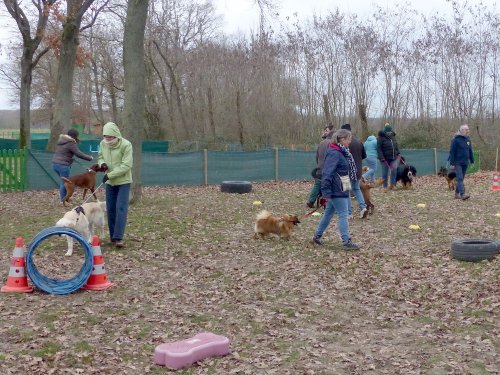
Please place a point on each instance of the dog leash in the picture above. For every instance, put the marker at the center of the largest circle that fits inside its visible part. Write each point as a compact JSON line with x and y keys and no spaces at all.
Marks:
{"x":91,"y":194}
{"x":318,"y":206}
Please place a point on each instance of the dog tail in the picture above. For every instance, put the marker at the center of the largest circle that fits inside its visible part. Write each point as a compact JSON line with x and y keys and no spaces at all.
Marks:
{"x":67,"y":180}
{"x":264,"y":214}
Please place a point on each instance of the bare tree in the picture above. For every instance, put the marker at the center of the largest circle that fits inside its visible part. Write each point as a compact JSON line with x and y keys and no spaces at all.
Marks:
{"x":29,"y":58}
{"x":134,"y":113}
{"x":75,"y":10}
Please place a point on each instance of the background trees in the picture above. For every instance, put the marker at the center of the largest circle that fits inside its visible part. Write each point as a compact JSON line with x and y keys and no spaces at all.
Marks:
{"x":279,"y":85}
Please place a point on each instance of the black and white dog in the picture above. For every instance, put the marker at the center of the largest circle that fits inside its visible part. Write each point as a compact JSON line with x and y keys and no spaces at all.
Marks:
{"x":406,"y":174}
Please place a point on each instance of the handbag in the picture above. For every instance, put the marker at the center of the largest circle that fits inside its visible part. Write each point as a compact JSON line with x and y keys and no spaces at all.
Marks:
{"x":345,"y":183}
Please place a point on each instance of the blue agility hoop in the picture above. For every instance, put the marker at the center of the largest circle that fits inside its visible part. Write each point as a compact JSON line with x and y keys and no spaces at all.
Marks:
{"x":54,"y":286}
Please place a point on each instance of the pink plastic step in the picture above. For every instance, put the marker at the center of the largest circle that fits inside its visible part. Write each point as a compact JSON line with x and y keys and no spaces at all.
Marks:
{"x":186,"y":352}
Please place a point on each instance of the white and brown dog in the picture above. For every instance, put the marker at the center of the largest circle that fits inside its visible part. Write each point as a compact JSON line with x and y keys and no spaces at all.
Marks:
{"x":85,"y":221}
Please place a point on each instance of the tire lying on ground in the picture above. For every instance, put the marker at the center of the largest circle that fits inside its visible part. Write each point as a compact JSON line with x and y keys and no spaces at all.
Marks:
{"x":474,"y":250}
{"x":240,"y":187}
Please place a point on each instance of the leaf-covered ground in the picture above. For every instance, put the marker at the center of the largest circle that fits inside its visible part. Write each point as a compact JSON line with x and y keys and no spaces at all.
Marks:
{"x":400,"y":305}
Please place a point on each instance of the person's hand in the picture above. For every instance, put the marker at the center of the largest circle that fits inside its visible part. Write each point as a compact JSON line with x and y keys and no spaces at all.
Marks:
{"x":105,"y":178}
{"x":452,"y":167}
{"x":472,"y":165}
{"x":91,"y":158}
{"x":322,"y":201}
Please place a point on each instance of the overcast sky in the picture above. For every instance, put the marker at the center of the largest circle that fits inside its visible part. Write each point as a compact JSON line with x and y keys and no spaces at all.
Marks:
{"x":242,"y":15}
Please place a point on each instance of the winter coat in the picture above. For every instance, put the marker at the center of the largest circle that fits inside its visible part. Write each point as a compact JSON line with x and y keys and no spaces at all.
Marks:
{"x":387,"y":147}
{"x":335,"y":165}
{"x":461,"y":151}
{"x":371,"y":146}
{"x":358,"y":154}
{"x":66,"y":149}
{"x":118,"y":157}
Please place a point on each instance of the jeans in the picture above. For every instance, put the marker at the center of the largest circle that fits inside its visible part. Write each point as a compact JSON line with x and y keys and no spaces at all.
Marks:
{"x":359,"y":197}
{"x":460,"y":170}
{"x":117,"y":206}
{"x":333,"y":205}
{"x":372,"y":165}
{"x":315,"y":190}
{"x":394,"y":171}
{"x":62,"y":171}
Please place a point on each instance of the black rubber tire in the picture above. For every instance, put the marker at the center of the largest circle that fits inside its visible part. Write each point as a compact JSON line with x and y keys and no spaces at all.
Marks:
{"x":474,"y":250}
{"x":240,"y":187}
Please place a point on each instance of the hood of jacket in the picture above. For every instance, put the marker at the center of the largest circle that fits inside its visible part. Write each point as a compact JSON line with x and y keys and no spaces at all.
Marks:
{"x":111,"y":129}
{"x":64,"y":138}
{"x":384,"y":134}
{"x":371,"y":138}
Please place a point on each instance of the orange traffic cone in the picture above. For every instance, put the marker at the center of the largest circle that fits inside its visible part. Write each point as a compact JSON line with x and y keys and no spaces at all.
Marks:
{"x":496,"y":184}
{"x":17,"y":281}
{"x":98,"y":279}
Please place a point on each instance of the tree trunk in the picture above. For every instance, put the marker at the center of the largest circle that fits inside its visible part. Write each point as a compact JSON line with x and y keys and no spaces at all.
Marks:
{"x":364,"y":121}
{"x":211,"y":113}
{"x":25,"y":99}
{"x":65,"y":72}
{"x":134,"y":112}
{"x":238,"y":116}
{"x":326,"y":109}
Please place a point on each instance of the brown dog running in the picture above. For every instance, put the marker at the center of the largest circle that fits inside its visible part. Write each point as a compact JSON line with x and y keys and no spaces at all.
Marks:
{"x":85,"y":180}
{"x":266,"y":223}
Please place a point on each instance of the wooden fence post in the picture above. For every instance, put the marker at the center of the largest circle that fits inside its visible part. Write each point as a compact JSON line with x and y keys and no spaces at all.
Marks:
{"x":205,"y":165}
{"x":435,"y":161}
{"x":276,"y":164}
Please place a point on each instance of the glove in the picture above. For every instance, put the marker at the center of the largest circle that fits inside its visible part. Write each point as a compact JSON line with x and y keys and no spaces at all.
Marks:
{"x":105,"y":178}
{"x":322,"y":201}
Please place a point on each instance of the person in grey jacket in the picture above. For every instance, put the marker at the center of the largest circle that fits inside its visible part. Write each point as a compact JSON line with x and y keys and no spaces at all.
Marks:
{"x":66,"y":150}
{"x":320,"y":158}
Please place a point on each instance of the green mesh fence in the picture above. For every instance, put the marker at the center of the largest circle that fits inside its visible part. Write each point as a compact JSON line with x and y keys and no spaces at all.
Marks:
{"x":194,"y":168}
{"x":248,"y":166}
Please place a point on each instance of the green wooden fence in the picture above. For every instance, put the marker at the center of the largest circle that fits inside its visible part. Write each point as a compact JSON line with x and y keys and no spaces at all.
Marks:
{"x":13,"y":170}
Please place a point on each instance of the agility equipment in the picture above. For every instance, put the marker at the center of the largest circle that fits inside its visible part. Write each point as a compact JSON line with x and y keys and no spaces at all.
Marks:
{"x":17,"y":281}
{"x":54,"y":286}
{"x":183,"y":353}
{"x":495,"y":186}
{"x":98,"y":279}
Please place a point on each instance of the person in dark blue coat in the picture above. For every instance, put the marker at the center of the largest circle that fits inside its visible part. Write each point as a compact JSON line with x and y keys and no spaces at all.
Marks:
{"x":339,"y":164}
{"x":460,"y":156}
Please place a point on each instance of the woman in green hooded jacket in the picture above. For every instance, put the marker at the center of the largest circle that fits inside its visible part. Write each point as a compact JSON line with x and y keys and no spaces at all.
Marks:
{"x":116,"y":152}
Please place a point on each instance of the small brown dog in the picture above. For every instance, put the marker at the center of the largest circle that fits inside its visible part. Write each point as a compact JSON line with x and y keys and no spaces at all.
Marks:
{"x":365,"y":190}
{"x":85,"y":180}
{"x":266,"y":223}
{"x":449,"y":176}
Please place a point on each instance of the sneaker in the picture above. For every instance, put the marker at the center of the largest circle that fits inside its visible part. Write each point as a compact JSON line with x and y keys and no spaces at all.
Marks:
{"x":458,"y":196}
{"x":310,"y":205}
{"x":119,"y":243}
{"x":350,"y":245}
{"x":465,"y":197}
{"x":317,"y":240}
{"x":364,"y":213}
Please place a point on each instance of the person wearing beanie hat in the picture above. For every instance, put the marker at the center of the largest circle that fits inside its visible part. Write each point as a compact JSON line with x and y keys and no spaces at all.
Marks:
{"x":116,"y":152}
{"x":346,"y":126}
{"x":389,"y":156}
{"x":66,"y":150}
